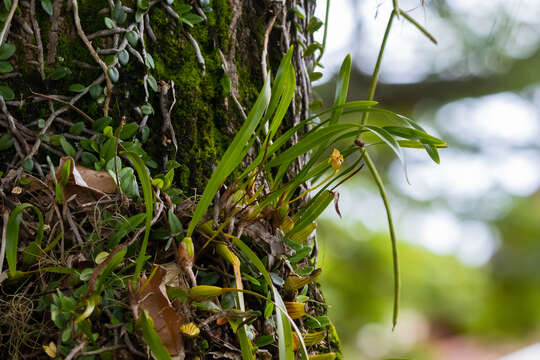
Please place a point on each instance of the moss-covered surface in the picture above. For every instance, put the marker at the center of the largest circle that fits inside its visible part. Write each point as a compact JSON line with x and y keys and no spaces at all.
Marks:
{"x":199,"y":117}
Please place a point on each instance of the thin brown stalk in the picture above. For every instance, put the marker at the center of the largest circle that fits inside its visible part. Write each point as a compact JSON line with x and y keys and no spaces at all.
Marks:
{"x":76,"y":350}
{"x":7,"y":22}
{"x":95,"y":55}
{"x":54,"y":98}
{"x":37,"y":35}
{"x":265,"y":46}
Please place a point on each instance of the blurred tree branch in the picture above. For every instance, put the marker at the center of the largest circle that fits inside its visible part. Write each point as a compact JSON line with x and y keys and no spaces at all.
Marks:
{"x":404,"y":96}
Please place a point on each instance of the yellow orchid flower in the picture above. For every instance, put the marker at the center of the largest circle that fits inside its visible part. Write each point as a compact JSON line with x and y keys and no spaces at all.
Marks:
{"x":336,"y":159}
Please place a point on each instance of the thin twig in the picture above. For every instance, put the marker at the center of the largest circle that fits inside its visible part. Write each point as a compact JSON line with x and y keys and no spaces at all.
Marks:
{"x":136,"y":54}
{"x":103,"y":349}
{"x":199,"y":10}
{"x":10,"y":75}
{"x":130,"y":346}
{"x":396,"y":8}
{"x":107,"y":32}
{"x":12,"y":126}
{"x":73,"y":225}
{"x":76,"y":350}
{"x":63,"y":109}
{"x":25,"y":26}
{"x":171,"y":11}
{"x":265,"y":47}
{"x":37,"y":35}
{"x":5,"y":217}
{"x":166,"y":114}
{"x":7,"y":22}
{"x":95,"y":55}
{"x":54,"y":98}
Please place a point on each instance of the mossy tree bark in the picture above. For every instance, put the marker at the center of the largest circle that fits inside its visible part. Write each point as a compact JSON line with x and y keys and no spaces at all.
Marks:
{"x":187,"y":88}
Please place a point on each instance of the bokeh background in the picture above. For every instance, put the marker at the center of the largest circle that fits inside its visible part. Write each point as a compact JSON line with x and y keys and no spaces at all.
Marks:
{"x":469,"y":228}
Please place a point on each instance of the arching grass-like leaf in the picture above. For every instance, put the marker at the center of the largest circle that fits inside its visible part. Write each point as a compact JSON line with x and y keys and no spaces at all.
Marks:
{"x":232,"y":157}
{"x":309,"y":142}
{"x":342,"y":88}
{"x":91,"y":303}
{"x":146,"y":184}
{"x":389,"y":140}
{"x":282,"y":91}
{"x":12,"y":234}
{"x":414,"y":134}
{"x":283,"y":321}
{"x":431,"y":149}
{"x":312,"y":211}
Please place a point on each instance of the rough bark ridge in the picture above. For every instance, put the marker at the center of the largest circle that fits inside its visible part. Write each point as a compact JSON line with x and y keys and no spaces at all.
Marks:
{"x":169,"y":91}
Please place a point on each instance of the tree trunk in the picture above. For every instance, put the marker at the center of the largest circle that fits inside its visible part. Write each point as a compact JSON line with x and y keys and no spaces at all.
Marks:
{"x":174,"y":81}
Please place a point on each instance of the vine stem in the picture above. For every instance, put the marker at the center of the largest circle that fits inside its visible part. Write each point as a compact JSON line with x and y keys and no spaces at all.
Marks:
{"x":393,"y":239}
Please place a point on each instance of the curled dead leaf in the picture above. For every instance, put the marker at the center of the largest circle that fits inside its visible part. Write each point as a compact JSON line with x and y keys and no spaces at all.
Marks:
{"x":336,"y":203}
{"x":152,"y":297}
{"x":87,"y":184}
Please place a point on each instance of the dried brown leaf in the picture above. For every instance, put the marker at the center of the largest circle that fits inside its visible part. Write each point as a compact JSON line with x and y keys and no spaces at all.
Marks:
{"x":336,"y":203}
{"x":87,"y":184}
{"x":153,"y":298}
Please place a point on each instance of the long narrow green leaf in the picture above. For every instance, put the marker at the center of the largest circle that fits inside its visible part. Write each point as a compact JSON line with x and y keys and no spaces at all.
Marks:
{"x":111,"y":265}
{"x":309,"y":142}
{"x":283,"y":320}
{"x":232,"y":157}
{"x":342,"y":88}
{"x":433,"y":152}
{"x":283,"y":90}
{"x":430,"y":149}
{"x":414,"y":134}
{"x":246,"y":347}
{"x":285,"y":80}
{"x":285,"y":340}
{"x":350,"y":107}
{"x":388,"y":139}
{"x":51,"y":269}
{"x":125,"y":228}
{"x":152,"y":338}
{"x":148,"y":196}
{"x":412,"y":144}
{"x":12,"y":234}
{"x":312,"y":211}
{"x":91,"y":303}
{"x":289,"y":84}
